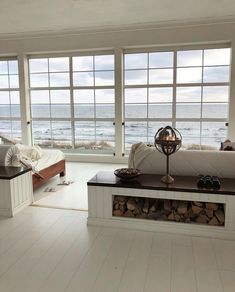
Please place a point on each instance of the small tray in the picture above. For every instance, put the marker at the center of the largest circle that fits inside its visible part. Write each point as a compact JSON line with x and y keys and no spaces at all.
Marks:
{"x":127,"y":173}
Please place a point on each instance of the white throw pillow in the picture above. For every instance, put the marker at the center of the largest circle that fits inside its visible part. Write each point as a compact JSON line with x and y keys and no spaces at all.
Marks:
{"x":30,"y":152}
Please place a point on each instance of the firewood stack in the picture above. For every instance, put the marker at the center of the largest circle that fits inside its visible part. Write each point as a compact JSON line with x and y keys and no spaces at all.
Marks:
{"x":169,"y":210}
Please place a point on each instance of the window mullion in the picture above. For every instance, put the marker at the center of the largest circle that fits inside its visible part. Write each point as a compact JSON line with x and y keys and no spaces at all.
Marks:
{"x":71,"y":89}
{"x":174,"y":89}
{"x":49,"y":89}
{"x":119,"y":104}
{"x":9,"y":96}
{"x":148,"y":71}
{"x":94,"y":95}
{"x":202,"y":91}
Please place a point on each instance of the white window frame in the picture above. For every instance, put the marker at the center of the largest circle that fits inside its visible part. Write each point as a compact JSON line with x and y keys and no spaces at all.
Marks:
{"x":9,"y":89}
{"x":174,"y":85}
{"x":71,"y":88}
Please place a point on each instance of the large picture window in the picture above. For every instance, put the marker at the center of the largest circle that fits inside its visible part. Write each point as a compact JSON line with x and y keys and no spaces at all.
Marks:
{"x":188,"y":89}
{"x":10,"y":125}
{"x":72,"y":102}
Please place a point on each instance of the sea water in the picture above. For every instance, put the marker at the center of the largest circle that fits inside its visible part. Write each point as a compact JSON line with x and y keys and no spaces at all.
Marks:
{"x":212,"y":133}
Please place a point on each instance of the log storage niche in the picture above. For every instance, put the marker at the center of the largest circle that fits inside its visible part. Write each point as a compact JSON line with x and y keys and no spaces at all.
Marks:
{"x":208,"y":213}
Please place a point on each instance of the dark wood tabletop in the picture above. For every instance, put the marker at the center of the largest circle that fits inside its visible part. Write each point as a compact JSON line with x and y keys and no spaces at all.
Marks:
{"x":153,"y":182}
{"x":10,"y":172}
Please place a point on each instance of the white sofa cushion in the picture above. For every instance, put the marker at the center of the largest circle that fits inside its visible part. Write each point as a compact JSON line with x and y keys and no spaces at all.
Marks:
{"x":31,"y":153}
{"x":184,"y":162}
{"x":9,"y":155}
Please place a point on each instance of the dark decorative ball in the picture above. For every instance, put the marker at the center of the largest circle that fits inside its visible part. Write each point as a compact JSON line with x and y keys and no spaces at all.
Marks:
{"x":167,"y":140}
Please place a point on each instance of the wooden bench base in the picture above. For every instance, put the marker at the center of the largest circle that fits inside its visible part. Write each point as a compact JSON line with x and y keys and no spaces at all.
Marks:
{"x":45,"y":174}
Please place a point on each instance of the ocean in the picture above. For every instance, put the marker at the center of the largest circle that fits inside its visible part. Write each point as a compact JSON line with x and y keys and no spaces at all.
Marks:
{"x":212,"y":133}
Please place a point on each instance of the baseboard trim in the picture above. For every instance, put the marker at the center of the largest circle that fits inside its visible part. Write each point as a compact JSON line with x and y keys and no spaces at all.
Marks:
{"x":165,"y":227}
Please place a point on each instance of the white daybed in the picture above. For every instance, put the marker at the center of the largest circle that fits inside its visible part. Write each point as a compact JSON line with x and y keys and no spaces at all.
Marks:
{"x":45,"y":163}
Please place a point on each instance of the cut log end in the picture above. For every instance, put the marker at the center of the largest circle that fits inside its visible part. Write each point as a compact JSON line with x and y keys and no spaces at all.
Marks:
{"x":169,"y":210}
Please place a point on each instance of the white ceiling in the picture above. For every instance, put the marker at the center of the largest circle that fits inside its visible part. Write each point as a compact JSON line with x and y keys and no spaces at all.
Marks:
{"x":33,"y":16}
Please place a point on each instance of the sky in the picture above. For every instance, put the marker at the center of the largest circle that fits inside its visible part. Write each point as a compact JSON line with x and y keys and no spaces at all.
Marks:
{"x":139,"y":69}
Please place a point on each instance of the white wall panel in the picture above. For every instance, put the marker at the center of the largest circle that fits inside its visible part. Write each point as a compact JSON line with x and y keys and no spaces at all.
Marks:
{"x":15,"y":194}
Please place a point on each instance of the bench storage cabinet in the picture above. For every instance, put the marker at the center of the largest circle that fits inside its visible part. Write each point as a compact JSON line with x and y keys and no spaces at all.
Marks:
{"x":16,"y":189}
{"x":105,"y":191}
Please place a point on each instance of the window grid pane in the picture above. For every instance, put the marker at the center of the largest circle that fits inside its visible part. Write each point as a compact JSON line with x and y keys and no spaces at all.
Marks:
{"x":194,"y":96}
{"x":72,"y":102}
{"x":10,"y":115}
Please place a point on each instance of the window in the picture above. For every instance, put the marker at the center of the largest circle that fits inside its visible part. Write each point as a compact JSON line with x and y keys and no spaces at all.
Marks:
{"x":10,"y":99}
{"x":72,"y":102}
{"x":188,"y":89}
{"x":50,"y":102}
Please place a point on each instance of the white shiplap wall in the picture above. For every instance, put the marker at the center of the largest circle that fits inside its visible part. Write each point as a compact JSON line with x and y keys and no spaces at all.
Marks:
{"x":15,"y":194}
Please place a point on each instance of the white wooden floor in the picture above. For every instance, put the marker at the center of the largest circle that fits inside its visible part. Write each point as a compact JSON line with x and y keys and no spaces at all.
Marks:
{"x":73,"y":196}
{"x":44,"y":249}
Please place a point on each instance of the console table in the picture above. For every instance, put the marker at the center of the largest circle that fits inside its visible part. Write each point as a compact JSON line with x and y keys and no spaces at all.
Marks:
{"x":16,"y":190}
{"x":104,"y":186}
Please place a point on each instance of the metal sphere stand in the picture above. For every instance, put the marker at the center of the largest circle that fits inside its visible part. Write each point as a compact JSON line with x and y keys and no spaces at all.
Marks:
{"x":167,"y":141}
